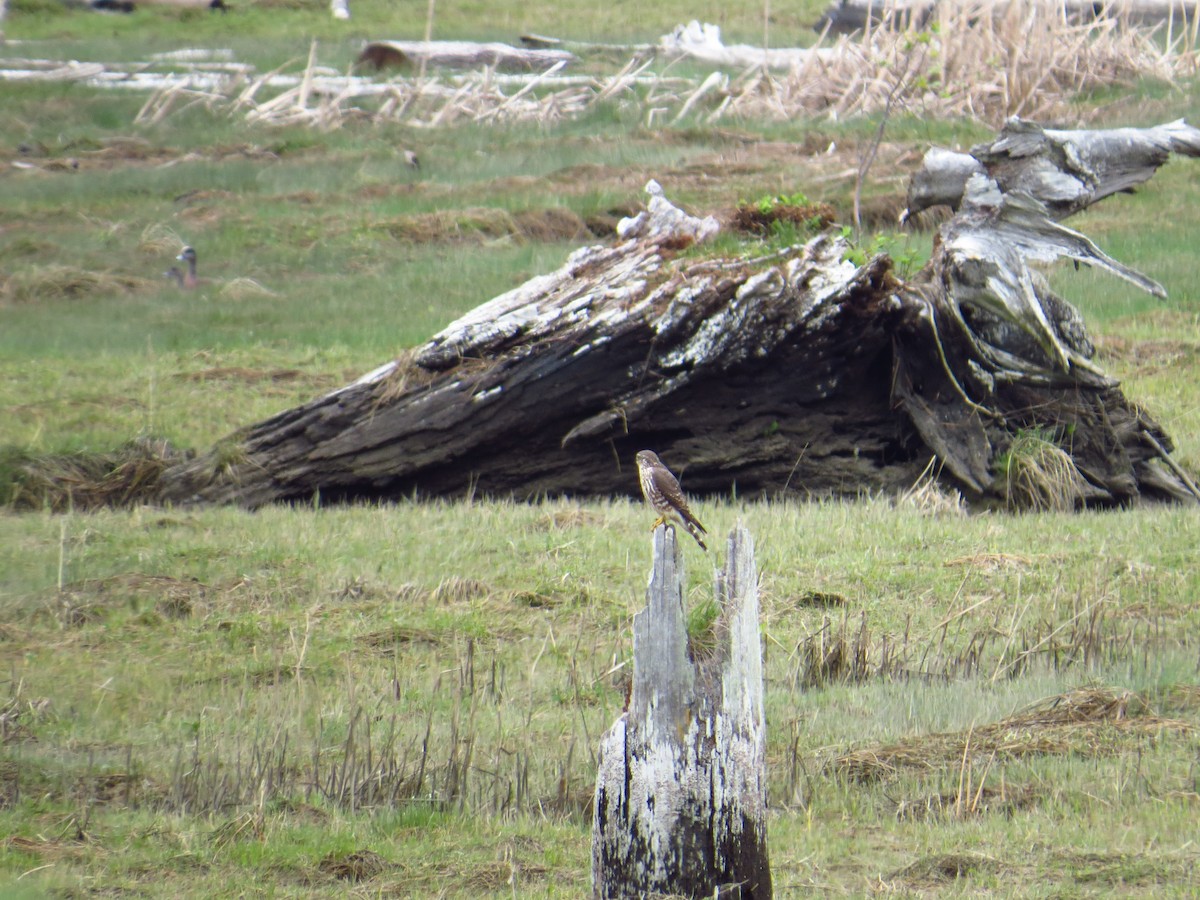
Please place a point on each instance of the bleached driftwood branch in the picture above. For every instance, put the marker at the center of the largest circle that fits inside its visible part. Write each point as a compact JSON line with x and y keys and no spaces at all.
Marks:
{"x":1065,"y":170}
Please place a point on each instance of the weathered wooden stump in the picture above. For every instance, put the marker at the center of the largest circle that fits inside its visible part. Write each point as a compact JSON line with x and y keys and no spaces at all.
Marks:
{"x":681,"y":795}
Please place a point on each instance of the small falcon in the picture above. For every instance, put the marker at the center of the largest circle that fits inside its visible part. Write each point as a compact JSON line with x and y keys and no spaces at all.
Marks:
{"x":662,"y":492}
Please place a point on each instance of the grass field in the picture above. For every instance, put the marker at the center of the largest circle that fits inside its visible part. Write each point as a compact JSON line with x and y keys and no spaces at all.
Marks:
{"x":406,"y":699}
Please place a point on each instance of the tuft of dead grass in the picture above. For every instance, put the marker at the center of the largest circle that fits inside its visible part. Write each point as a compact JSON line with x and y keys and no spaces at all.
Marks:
{"x":87,"y":481}
{"x":1004,"y":800}
{"x":360,"y":865}
{"x":241,"y":288}
{"x":567,"y":519}
{"x":928,"y":496}
{"x":1086,"y":722}
{"x":1039,"y":475}
{"x":54,"y":283}
{"x":80,"y":603}
{"x":933,"y":871}
{"x":459,"y":590}
{"x":390,"y":640}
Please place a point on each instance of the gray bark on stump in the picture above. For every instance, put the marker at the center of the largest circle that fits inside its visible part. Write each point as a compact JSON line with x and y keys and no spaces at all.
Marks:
{"x":681,"y":802}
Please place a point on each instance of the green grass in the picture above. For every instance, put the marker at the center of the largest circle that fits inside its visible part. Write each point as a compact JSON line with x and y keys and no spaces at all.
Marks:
{"x":187,"y":697}
{"x":290,"y":24}
{"x":495,"y":623}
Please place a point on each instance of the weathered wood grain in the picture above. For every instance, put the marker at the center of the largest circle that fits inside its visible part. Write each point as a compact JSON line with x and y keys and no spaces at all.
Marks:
{"x":680,"y":806}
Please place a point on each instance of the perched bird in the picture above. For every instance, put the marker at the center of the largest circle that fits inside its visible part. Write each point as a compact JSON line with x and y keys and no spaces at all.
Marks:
{"x":188,"y":279}
{"x":662,"y":492}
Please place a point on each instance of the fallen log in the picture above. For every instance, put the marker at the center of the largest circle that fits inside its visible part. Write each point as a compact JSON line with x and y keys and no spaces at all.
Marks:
{"x":681,"y":788}
{"x":794,"y":373}
{"x":459,"y":55}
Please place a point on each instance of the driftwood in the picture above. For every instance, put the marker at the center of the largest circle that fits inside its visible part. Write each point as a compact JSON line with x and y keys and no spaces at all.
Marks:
{"x":702,"y":41}
{"x":1065,"y":170}
{"x":460,"y":55}
{"x":799,"y":372}
{"x":681,"y":796}
{"x":844,"y":16}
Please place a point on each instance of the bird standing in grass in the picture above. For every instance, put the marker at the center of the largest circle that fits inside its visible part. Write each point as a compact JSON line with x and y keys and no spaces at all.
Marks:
{"x":661,"y":490}
{"x":188,"y":278}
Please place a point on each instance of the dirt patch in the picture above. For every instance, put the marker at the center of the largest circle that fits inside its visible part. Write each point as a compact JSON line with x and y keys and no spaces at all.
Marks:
{"x":819,"y":599}
{"x":764,"y":219}
{"x":86,"y":155}
{"x":1149,"y":357}
{"x":557,"y":223}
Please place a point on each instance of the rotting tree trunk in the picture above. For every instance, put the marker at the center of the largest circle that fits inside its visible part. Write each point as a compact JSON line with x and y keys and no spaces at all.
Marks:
{"x":793,"y":373}
{"x":681,"y":804}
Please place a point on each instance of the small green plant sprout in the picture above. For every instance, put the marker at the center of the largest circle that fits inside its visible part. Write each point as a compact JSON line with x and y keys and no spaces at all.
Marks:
{"x":783,"y":218}
{"x":906,"y":259}
{"x":702,"y":628}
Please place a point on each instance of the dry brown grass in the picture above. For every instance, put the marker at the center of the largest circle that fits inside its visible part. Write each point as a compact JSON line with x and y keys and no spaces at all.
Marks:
{"x":86,"y":481}
{"x":51,"y":284}
{"x":928,"y":496}
{"x":978,"y":60}
{"x":1086,"y":722}
{"x":361,"y":865}
{"x":981,"y":60}
{"x":79,"y":603}
{"x":1040,"y":475}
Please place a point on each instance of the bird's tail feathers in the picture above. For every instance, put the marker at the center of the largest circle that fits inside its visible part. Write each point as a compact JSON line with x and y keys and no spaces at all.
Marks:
{"x":694,"y":529}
